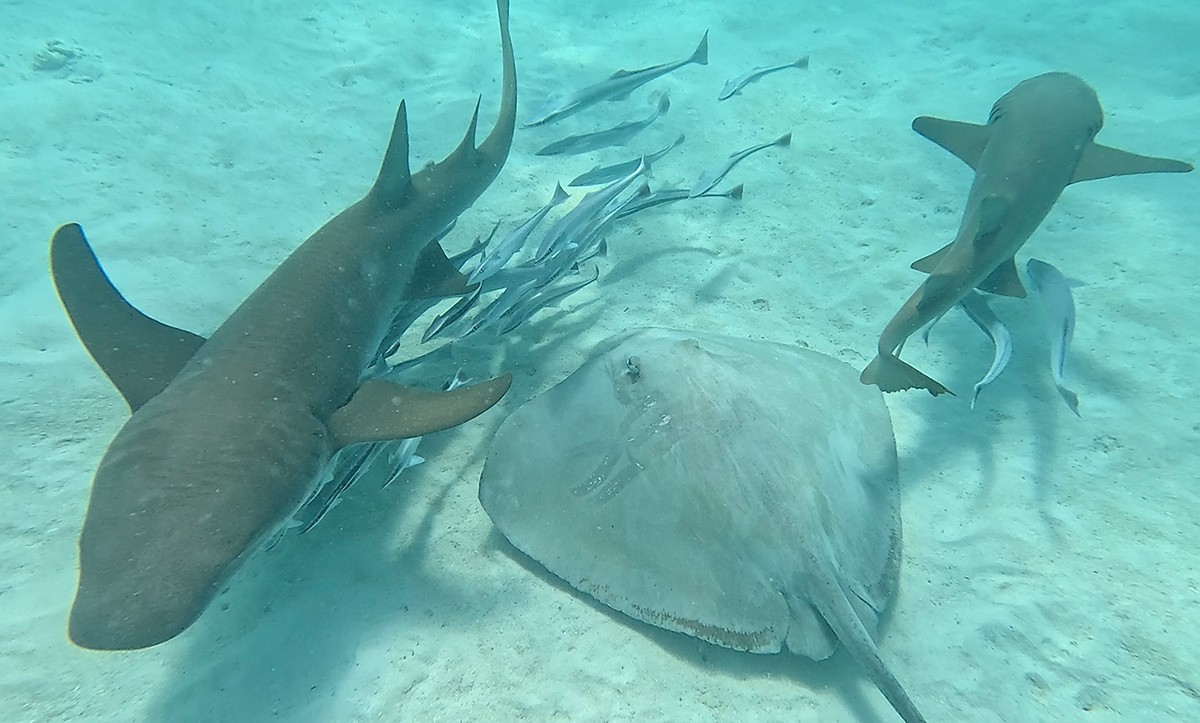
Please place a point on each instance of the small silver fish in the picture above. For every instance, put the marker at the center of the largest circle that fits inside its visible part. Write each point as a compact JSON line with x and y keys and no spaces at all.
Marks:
{"x":604,"y":174}
{"x":618,"y":85}
{"x":588,"y":208}
{"x":615,"y":136}
{"x":732,"y":87}
{"x":543,"y":298}
{"x":514,"y":240}
{"x":1055,"y":291}
{"x":671,"y":195}
{"x":978,"y":311}
{"x":451,"y":315}
{"x":713,"y":176}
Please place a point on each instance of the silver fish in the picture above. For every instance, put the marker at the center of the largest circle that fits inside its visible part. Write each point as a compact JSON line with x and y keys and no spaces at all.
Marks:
{"x":514,"y":240}
{"x":1055,"y":290}
{"x":476,"y":248}
{"x":403,"y":456}
{"x":670,"y":195}
{"x":451,"y":315}
{"x":978,"y":311}
{"x":733,"y":86}
{"x":603,"y":174}
{"x":713,"y":176}
{"x":501,"y":306}
{"x":543,"y":298}
{"x":615,"y":136}
{"x":617,"y":85}
{"x":403,"y":453}
{"x":592,"y":204}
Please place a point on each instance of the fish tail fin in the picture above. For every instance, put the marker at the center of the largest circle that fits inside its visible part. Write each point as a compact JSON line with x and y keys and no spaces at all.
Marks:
{"x":887,"y":372}
{"x":700,"y":56}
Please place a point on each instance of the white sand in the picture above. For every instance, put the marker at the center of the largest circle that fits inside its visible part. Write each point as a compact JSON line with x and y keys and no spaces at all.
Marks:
{"x":1050,"y":571}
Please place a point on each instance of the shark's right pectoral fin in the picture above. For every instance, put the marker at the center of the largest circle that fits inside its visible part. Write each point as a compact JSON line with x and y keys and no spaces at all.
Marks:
{"x":965,"y":140}
{"x":382,"y":411}
{"x":1099,"y":161}
{"x":139,"y":355}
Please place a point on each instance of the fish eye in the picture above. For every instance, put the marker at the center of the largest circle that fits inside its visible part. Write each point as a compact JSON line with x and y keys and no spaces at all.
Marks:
{"x":633,"y":368}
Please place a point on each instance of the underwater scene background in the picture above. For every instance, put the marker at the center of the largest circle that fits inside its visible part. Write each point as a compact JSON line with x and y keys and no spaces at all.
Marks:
{"x":1050,"y":568}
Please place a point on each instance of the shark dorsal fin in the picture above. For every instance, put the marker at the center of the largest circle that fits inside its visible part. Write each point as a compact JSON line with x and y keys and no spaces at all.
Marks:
{"x":1004,"y":280}
{"x":466,"y":151}
{"x":394,"y":182}
{"x":1099,"y":161}
{"x":382,"y":411}
{"x":139,"y":355}
{"x":965,"y":140}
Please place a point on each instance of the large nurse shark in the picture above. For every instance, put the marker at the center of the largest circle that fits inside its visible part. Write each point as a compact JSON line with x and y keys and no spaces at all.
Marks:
{"x":1037,"y":141}
{"x":230,"y":434}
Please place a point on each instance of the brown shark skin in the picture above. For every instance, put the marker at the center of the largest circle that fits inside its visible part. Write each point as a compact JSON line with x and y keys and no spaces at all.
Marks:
{"x":207,"y":469}
{"x":1035,"y":139}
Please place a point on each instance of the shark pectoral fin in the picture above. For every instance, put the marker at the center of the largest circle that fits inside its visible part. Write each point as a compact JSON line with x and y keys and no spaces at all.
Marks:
{"x":927,"y":264}
{"x":435,"y":276}
{"x":139,"y":355}
{"x":381,"y":410}
{"x":965,"y":140}
{"x":1099,"y":161}
{"x":1004,"y":280}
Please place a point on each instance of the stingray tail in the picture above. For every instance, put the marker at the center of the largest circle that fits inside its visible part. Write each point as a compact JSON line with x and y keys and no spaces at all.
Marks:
{"x":887,"y":372}
{"x":839,"y":613}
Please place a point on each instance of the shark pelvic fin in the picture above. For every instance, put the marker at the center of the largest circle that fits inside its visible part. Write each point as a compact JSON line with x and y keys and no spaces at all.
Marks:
{"x":1004,"y":280}
{"x":1099,"y":161}
{"x":139,"y":355}
{"x":965,"y":140}
{"x":381,"y":410}
{"x":435,"y":276}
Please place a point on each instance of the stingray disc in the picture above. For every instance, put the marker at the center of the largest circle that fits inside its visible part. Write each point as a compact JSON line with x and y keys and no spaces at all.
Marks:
{"x":690,"y":480}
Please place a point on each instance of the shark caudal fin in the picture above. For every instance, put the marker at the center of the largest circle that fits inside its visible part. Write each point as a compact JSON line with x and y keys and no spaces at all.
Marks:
{"x":887,"y":372}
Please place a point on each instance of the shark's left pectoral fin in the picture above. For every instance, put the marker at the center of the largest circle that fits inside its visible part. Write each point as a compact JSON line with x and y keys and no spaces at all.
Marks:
{"x":1099,"y":161}
{"x":140,"y":355}
{"x":381,"y":410}
{"x":965,"y":140}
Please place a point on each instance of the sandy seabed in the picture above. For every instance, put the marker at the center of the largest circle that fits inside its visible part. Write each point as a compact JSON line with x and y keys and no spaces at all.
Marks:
{"x":1050,"y":569}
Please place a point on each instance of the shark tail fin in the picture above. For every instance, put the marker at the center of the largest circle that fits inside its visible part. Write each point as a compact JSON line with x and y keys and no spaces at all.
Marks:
{"x":887,"y":372}
{"x":1099,"y":161}
{"x":700,"y":56}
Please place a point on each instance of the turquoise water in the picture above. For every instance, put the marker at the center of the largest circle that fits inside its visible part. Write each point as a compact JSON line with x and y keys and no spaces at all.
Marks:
{"x":1049,"y":569}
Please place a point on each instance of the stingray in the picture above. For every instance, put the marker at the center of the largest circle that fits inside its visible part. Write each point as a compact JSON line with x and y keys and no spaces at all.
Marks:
{"x":742,"y":492}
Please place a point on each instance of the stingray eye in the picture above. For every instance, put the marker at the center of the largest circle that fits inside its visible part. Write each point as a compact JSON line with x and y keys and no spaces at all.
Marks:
{"x":633,"y":368}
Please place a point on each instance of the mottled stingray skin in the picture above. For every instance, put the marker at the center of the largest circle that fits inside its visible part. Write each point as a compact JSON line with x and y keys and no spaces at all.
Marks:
{"x":740,"y":491}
